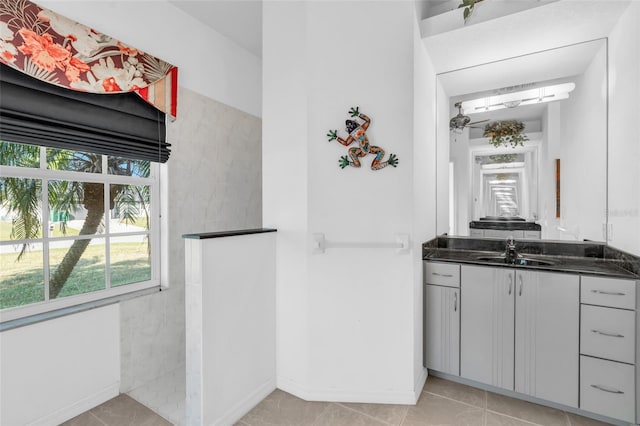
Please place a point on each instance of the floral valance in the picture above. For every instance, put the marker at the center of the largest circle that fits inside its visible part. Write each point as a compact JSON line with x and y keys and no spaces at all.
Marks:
{"x":57,"y":50}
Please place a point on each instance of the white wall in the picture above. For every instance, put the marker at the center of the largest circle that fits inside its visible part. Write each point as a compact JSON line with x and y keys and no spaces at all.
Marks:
{"x":54,"y":370}
{"x":459,"y":154}
{"x":549,"y":151}
{"x":582,"y":148}
{"x":624,"y":133}
{"x":442,"y":162}
{"x":424,"y":183}
{"x":231,"y":349}
{"x":284,"y":178}
{"x":208,"y":62}
{"x":346,"y":325}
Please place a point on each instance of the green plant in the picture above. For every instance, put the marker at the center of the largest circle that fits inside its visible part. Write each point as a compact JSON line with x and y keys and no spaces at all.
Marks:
{"x":468,"y":7}
{"x":503,"y":158}
{"x":505,"y":133}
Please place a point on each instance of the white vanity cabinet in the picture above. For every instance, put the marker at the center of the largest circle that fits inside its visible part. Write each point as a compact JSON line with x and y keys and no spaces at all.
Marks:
{"x":608,"y":347}
{"x":442,"y":317}
{"x":547,"y":324}
{"x":567,"y":338}
{"x":520,"y":331}
{"x":486,"y":325}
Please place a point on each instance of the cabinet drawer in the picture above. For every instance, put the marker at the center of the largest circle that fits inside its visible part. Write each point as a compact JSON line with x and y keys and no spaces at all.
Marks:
{"x":608,"y":333}
{"x":447,"y":274}
{"x":617,"y":293}
{"x":607,"y":388}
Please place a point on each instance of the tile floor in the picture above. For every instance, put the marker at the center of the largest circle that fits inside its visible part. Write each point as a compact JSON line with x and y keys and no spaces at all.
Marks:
{"x":442,"y":403}
{"x":119,"y":411}
{"x":165,"y":395}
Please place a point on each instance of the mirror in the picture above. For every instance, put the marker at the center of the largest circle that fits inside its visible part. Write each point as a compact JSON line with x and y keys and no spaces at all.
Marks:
{"x":552,"y":185}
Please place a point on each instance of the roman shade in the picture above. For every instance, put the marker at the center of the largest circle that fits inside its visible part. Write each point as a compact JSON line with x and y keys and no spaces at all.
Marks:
{"x":53,"y":48}
{"x":37,"y":113}
{"x":66,"y":85}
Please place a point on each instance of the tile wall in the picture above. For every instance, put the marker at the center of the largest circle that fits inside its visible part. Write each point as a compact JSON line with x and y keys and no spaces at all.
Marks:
{"x":214,"y":183}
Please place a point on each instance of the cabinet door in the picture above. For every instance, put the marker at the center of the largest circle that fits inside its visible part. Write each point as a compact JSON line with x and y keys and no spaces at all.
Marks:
{"x":442,"y":329}
{"x":486,"y":325}
{"x":547,"y":336}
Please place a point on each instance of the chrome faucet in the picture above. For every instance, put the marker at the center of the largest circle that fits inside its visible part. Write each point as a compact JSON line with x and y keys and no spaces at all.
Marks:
{"x":511,"y":253}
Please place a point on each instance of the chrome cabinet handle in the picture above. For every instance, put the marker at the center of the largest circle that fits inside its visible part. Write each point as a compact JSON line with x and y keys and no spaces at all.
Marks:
{"x":608,"y":293}
{"x":442,"y":275}
{"x":455,"y":302}
{"x":520,"y":291}
{"x":510,"y":283}
{"x":607,"y":334}
{"x":605,"y":389}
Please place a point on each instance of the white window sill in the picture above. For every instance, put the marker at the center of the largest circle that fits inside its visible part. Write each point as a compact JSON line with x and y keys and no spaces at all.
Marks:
{"x":70,"y":310}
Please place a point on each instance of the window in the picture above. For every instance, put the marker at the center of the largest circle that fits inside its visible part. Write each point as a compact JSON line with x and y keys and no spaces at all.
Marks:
{"x":74,"y":227}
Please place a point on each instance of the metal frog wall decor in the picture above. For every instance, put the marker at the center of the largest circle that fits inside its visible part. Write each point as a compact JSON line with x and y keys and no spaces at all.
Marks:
{"x":357,"y":133}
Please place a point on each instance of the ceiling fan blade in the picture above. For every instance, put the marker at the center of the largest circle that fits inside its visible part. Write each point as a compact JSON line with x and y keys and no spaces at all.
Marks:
{"x":476,"y":122}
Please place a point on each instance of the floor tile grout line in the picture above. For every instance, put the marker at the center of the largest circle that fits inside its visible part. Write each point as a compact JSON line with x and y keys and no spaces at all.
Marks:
{"x":486,"y":407}
{"x":365,"y":414}
{"x":456,"y":400}
{"x":321,"y":413}
{"x":569,"y":422}
{"x":513,"y":417}
{"x":98,"y":418}
{"x":406,"y":413}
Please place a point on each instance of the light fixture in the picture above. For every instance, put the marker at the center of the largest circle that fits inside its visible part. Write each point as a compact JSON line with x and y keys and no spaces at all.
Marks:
{"x":525,"y":97}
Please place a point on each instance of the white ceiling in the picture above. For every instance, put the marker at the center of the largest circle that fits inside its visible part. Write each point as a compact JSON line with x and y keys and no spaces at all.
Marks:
{"x":560,"y":23}
{"x":238,"y":20}
{"x":534,"y":68}
{"x":241,"y":21}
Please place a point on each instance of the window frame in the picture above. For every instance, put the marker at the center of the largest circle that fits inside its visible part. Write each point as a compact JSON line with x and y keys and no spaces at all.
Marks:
{"x":45,"y":175}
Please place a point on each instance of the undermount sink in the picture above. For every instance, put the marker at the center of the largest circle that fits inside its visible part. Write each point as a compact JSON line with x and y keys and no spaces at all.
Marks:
{"x":519,"y":261}
{"x":492,"y":259}
{"x":535,"y":262}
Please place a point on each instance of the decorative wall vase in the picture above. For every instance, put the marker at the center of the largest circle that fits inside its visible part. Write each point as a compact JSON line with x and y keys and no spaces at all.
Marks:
{"x":357,"y":133}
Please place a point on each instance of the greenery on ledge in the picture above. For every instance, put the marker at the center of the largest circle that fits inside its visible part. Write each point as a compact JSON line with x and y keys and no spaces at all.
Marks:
{"x":468,"y":8}
{"x":505,"y":133}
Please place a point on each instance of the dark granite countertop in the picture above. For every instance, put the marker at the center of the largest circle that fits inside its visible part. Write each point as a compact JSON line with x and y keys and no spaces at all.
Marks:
{"x":571,"y":257}
{"x":504,"y":225}
{"x":231,"y":233}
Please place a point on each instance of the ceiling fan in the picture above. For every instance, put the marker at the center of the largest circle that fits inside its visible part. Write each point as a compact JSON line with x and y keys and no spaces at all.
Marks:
{"x":460,"y":121}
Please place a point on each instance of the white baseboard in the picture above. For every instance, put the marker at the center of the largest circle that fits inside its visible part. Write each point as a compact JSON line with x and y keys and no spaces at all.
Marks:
{"x":422,"y":379}
{"x":79,"y":407}
{"x":243,"y":407}
{"x":361,"y":396}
